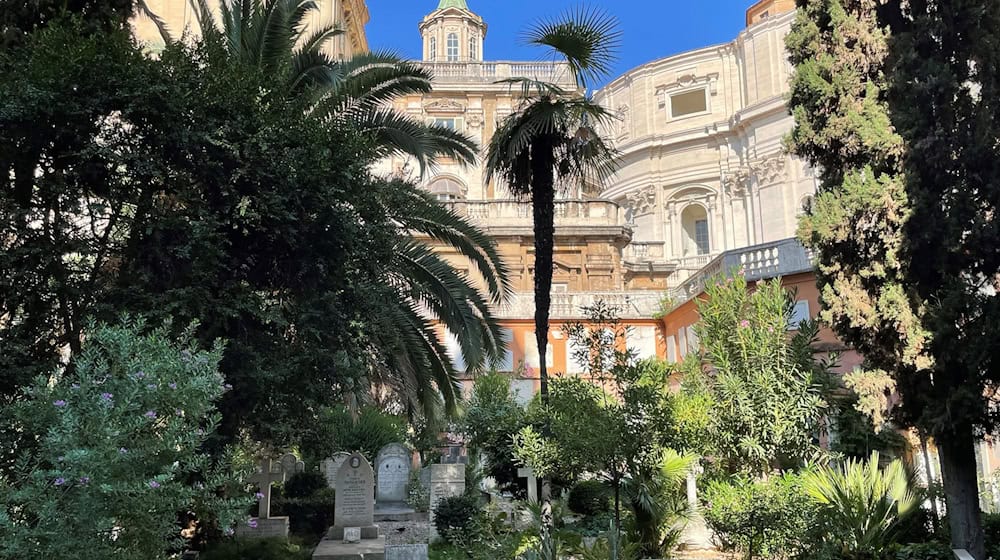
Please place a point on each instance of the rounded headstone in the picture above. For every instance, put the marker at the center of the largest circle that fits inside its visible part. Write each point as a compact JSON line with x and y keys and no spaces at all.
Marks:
{"x":392,"y":473}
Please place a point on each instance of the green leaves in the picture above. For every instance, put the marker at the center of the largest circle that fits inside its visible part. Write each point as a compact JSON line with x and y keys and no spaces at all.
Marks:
{"x":117,"y":451}
{"x":863,"y":505}
{"x":763,"y":403}
{"x":587,"y":38}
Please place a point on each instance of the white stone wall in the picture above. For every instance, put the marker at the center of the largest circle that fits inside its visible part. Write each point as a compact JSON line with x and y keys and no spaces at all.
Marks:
{"x":727,"y":158}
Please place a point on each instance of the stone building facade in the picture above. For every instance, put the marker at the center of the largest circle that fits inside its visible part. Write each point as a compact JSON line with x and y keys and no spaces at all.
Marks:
{"x":181,"y":16}
{"x":703,"y":175}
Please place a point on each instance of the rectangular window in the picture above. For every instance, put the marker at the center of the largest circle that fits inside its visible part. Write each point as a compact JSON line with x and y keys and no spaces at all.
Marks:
{"x":531,"y":357}
{"x":446,"y":123}
{"x":688,"y":103}
{"x":642,"y":340}
{"x":701,"y":236}
{"x":682,"y":342}
{"x":799,"y":313}
{"x":452,"y":47}
{"x":671,"y":349}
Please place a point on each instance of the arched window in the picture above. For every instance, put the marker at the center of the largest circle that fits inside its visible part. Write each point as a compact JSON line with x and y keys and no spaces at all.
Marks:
{"x":446,"y":190}
{"x":694,"y":221}
{"x":473,"y":48}
{"x":453,"y":47}
{"x":433,"y":49}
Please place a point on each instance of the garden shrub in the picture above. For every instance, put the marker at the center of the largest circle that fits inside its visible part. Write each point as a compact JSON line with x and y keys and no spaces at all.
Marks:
{"x":257,"y":549}
{"x":925,"y":551}
{"x":759,"y":518}
{"x":303,"y":484}
{"x":418,"y":496}
{"x":455,"y":515}
{"x":590,"y":497}
{"x":308,"y":516}
{"x":115,"y":451}
{"x":336,"y":429}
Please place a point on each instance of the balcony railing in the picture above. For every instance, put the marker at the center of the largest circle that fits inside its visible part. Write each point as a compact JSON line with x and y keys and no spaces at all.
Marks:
{"x":500,"y":213}
{"x":767,"y":260}
{"x":490,"y":72}
{"x":638,"y":251}
{"x":629,"y":305}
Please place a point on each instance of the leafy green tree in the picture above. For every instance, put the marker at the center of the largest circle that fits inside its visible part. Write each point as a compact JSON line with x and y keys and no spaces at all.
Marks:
{"x":119,"y":451}
{"x":613,"y":421}
{"x":492,"y":417}
{"x":894,"y":107}
{"x":765,"y":404}
{"x":943,"y":101}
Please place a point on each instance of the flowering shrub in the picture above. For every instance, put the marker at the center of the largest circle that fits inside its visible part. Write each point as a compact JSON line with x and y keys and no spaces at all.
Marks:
{"x":112,"y":452}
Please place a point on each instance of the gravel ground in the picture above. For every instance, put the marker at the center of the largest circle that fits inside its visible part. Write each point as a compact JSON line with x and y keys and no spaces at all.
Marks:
{"x":405,"y":532}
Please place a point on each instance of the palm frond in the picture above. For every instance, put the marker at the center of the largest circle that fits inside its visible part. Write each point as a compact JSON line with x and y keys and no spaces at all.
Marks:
{"x":588,"y":38}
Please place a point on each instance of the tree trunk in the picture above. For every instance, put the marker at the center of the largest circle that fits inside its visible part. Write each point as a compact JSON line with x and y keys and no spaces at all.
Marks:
{"x":543,"y":214}
{"x":961,"y":489}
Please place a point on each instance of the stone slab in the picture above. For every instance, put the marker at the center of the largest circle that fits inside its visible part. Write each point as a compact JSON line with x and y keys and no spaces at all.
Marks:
{"x":395,"y":512}
{"x":274,"y":527}
{"x":406,"y":552}
{"x":334,"y":549}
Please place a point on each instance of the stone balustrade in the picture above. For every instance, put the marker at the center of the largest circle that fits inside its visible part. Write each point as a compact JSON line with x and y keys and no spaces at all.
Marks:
{"x":479,"y":72}
{"x":758,"y":262}
{"x":630,"y":305}
{"x":501,"y":213}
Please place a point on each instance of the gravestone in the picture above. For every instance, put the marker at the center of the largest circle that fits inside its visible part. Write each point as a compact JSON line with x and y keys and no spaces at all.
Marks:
{"x":393,"y":473}
{"x":268,"y":472}
{"x":447,"y":480}
{"x":354,"y":502}
{"x":406,"y":552}
{"x":525,"y":472}
{"x":330,"y":466}
{"x":290,"y":464}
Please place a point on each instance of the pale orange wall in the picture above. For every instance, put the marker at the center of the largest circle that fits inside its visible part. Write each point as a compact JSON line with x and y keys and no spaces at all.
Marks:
{"x":804,"y":286}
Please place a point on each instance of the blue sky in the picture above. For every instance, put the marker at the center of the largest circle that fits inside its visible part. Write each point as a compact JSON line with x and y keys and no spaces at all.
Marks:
{"x":652,"y":28}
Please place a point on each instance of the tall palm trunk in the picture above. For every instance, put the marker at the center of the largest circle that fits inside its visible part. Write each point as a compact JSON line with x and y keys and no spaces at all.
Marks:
{"x":543,"y":209}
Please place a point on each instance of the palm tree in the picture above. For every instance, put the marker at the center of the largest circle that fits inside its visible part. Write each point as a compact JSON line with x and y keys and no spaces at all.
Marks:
{"x":274,"y":36}
{"x":554,"y":135}
{"x":431,"y":292}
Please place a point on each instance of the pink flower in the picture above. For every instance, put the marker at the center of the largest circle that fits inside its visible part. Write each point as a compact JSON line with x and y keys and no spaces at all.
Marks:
{"x":173,"y":385}
{"x":742,"y":271}
{"x":744,"y":323}
{"x":150,"y":414}
{"x":151,"y":386}
{"x":59,"y":403}
{"x":139,"y":375}
{"x":252,"y":523}
{"x":770,"y":329}
{"x":59,"y":481}
{"x":106,"y":397}
{"x":154,"y":484}
{"x":259,"y":495}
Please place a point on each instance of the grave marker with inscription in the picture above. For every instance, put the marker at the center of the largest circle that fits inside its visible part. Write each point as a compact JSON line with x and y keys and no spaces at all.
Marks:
{"x":393,"y":473}
{"x":447,"y":480}
{"x":354,"y":503}
{"x":330,"y":466}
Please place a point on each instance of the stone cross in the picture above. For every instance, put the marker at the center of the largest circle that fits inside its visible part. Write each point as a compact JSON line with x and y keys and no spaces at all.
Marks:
{"x":268,"y":472}
{"x":526,"y":472}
